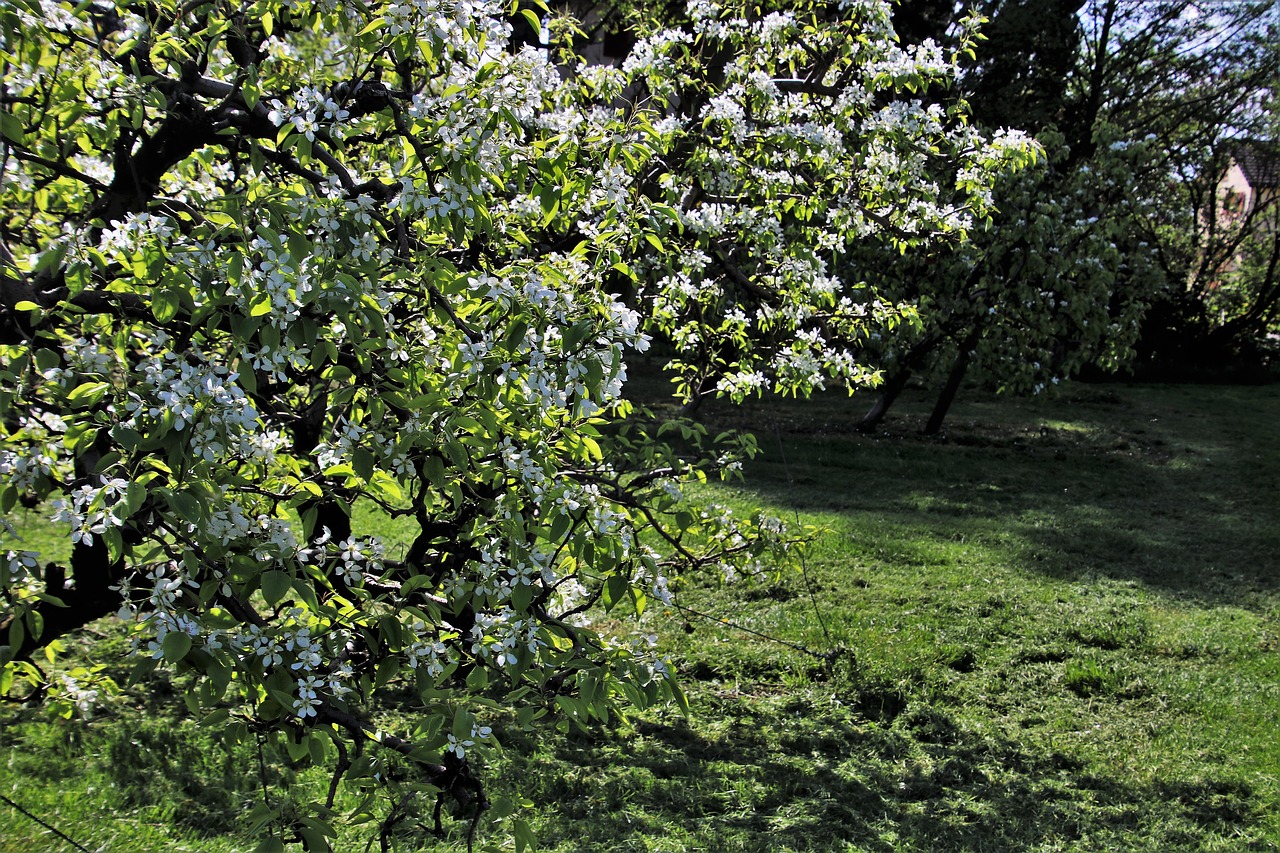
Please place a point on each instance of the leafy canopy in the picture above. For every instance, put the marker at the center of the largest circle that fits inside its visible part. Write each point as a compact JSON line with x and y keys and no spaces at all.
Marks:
{"x":265,"y":264}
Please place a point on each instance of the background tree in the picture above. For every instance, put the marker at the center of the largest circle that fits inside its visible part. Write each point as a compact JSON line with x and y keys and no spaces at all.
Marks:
{"x":1192,"y":78}
{"x":1053,"y":283}
{"x":1121,"y":95}
{"x":1041,"y":288}
{"x":1216,"y":251}
{"x":798,"y":136}
{"x":269,"y":268}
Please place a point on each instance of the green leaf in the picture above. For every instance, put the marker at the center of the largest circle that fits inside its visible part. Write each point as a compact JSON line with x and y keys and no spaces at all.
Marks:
{"x":215,"y":717}
{"x":478,"y":679}
{"x":186,"y":506}
{"x":164,"y":305}
{"x":521,"y":598}
{"x":275,"y":586}
{"x":457,"y":454}
{"x":87,"y":394}
{"x":524,"y":837}
{"x":175,"y":646}
{"x":573,"y":336}
{"x":386,"y":671}
{"x":560,"y":526}
{"x":11,"y":128}
{"x":115,"y":544}
{"x":434,"y":469}
{"x":533,"y":19}
{"x":362,"y":462}
{"x":126,"y":437}
{"x":250,"y":89}
{"x":501,"y":807}
{"x":134,"y":496}
{"x":47,"y":359}
{"x":313,"y":839}
{"x":297,"y":749}
{"x":371,"y":26}
{"x":35,"y":622}
{"x":385,"y":486}
{"x":463,"y":720}
{"x":318,"y":747}
{"x":615,"y":589}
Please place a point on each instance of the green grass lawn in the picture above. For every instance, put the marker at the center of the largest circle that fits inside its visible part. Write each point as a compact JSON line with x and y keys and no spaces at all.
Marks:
{"x":1054,"y":628}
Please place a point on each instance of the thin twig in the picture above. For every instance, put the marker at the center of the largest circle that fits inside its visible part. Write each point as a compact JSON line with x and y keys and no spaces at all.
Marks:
{"x":52,"y":829}
{"x":822,"y":656}
{"x":804,"y":564}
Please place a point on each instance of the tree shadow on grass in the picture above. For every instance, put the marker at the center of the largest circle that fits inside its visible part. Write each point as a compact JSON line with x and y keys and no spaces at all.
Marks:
{"x":1181,"y":503}
{"x":837,"y":782}
{"x":1153,"y":491}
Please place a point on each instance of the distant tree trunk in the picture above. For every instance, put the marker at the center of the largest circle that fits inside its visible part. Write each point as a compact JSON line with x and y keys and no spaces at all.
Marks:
{"x":948,"y":395}
{"x":94,"y":590}
{"x":889,"y":392}
{"x":897,"y":382}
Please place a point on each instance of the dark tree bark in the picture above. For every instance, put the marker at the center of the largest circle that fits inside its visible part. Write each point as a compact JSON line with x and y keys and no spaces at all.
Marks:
{"x":889,"y":393}
{"x":86,"y":598}
{"x":897,"y":382}
{"x":952,"y":387}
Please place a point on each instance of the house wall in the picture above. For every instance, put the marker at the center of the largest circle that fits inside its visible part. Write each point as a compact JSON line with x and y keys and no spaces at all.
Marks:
{"x":1236,"y":199}
{"x":1235,"y":195}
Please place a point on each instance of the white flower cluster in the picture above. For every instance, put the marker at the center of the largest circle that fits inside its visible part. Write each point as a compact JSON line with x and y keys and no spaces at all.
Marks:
{"x":497,"y":638}
{"x":459,"y":746}
{"x":85,"y":699}
{"x":726,"y":108}
{"x":647,"y":57}
{"x":284,"y":280}
{"x":23,"y":466}
{"x":605,"y":81}
{"x":90,"y":511}
{"x":428,"y":652}
{"x":22,"y":566}
{"x":311,"y":111}
{"x":168,"y":590}
{"x":544,"y":371}
{"x":358,"y":556}
{"x":346,"y":436}
{"x":190,"y":393}
{"x":125,"y":236}
{"x":495,"y":575}
{"x":308,"y":657}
